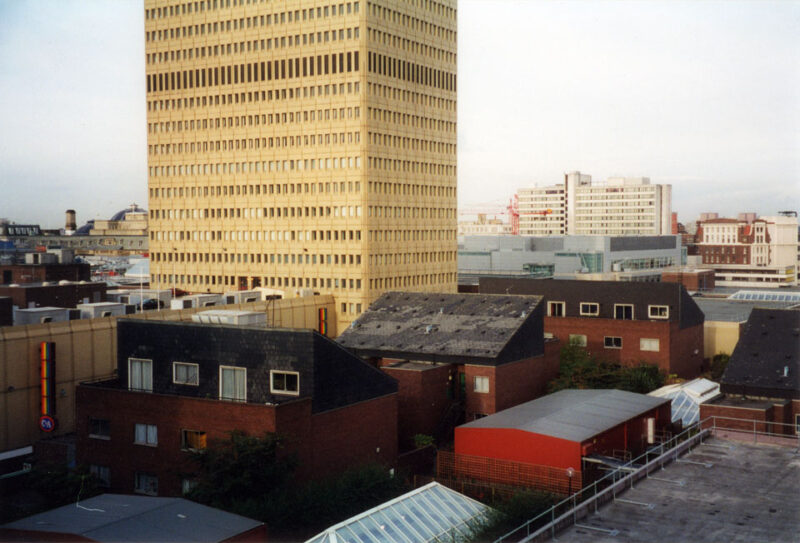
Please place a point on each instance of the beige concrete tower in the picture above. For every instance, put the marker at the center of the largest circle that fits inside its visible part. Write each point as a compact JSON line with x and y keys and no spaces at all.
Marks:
{"x":302,"y":144}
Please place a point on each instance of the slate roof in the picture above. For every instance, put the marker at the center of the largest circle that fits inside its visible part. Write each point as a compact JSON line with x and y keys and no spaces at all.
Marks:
{"x":330,"y":375}
{"x":727,"y":310}
{"x":682,"y":307}
{"x":118,"y":518}
{"x":475,"y":328}
{"x":574,"y":415}
{"x":768,"y":348}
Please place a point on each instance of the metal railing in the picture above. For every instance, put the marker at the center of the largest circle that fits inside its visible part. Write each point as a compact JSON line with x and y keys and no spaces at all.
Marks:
{"x":588,"y":499}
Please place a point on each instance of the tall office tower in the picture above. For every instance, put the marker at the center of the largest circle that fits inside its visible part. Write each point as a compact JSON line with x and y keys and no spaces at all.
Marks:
{"x":302,"y":145}
{"x":627,"y":206}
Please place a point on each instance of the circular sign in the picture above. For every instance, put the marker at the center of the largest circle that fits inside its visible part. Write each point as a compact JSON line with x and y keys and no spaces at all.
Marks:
{"x":47,"y":423}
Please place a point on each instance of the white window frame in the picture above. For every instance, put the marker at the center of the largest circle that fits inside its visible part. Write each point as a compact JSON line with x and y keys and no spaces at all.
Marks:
{"x":633,"y":312}
{"x":562,"y":305}
{"x":150,"y":434}
{"x":175,"y":380}
{"x":146,"y":386}
{"x":145,"y":483}
{"x":658,"y":309}
{"x":274,"y":390}
{"x":612,"y":338}
{"x":582,"y":340}
{"x":645,"y":345}
{"x":236,"y":369}
{"x":588,"y":313}
{"x":481,"y":384}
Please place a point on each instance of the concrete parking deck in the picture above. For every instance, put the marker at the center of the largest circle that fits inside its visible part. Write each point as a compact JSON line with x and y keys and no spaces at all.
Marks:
{"x":749,"y":493}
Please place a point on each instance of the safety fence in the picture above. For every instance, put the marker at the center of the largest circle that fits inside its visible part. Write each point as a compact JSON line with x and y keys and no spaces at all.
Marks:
{"x":587,"y":500}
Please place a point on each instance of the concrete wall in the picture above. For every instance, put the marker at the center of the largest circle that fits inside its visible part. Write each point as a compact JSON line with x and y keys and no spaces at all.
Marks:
{"x":720,"y":337}
{"x":86,"y":350}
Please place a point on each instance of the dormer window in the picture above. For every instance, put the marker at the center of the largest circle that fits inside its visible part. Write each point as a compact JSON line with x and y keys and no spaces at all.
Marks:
{"x":284,"y":382}
{"x":623,"y":312}
{"x":590,"y":309}
{"x":658,"y":311}
{"x":555,"y":309}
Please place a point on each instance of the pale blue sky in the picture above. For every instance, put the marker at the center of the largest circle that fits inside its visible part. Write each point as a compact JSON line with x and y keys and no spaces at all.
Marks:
{"x":703,"y":95}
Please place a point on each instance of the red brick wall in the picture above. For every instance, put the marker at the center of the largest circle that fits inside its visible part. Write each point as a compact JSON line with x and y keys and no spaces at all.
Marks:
{"x":748,"y":414}
{"x":694,"y":280}
{"x":676,"y":347}
{"x":422,"y":399}
{"x":324,"y":443}
{"x":510,"y":384}
{"x":361,"y":433}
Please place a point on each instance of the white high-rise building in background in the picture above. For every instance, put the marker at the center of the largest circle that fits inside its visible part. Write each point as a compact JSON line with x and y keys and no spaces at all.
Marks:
{"x":619,"y":206}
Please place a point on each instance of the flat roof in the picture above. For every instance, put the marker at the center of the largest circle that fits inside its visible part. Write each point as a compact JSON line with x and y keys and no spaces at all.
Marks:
{"x":574,"y":415}
{"x":748,"y":494}
{"x":118,"y":518}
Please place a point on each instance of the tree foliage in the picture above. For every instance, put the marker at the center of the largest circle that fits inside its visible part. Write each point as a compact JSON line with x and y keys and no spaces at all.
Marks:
{"x":579,"y":369}
{"x":718,"y":365}
{"x":239,"y":468}
{"x":254,"y":477}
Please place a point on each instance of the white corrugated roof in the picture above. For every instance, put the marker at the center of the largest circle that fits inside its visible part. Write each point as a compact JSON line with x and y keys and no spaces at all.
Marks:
{"x":574,"y":415}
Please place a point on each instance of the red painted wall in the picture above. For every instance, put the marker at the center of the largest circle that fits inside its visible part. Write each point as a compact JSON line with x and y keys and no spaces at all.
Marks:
{"x":676,"y":347}
{"x":518,"y":446}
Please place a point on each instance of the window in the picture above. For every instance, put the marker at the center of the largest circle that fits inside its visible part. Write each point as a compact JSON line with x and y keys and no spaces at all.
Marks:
{"x":233,"y":383}
{"x":797,"y":424}
{"x":590,"y":309}
{"x":140,"y":374}
{"x":577,"y":339}
{"x":146,"y":483}
{"x":184,"y":373}
{"x":610,"y":342}
{"x":658,"y":311}
{"x":102,"y":473}
{"x":649,"y":344}
{"x":99,"y":429}
{"x":482,"y":385}
{"x":623,"y":312}
{"x":146,"y":434}
{"x":555,"y":309}
{"x":193,"y":440}
{"x":284,"y":382}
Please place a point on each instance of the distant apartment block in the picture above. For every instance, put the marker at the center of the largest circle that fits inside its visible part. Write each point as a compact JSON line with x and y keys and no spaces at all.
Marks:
{"x":627,"y":206}
{"x":749,"y":251}
{"x":483,"y":226}
{"x":609,"y":258}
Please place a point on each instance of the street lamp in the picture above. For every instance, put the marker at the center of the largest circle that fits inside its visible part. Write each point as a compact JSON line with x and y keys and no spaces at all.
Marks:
{"x":570,"y":475}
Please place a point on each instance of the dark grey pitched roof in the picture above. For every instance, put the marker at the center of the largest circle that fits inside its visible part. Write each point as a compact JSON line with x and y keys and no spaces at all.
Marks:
{"x":727,"y":310}
{"x":574,"y":415}
{"x":480,"y":328}
{"x":766,"y":360}
{"x":328,"y":374}
{"x":682,"y":307}
{"x":118,"y":518}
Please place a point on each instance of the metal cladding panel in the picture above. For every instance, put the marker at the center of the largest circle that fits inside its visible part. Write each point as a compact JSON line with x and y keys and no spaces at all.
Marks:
{"x":518,"y":446}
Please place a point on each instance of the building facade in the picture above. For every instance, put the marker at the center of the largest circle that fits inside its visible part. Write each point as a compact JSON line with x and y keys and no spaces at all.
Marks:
{"x":608,"y":258}
{"x":627,"y":206}
{"x":626,"y":323}
{"x":183,"y":385}
{"x":302,"y":144}
{"x":751,"y":252}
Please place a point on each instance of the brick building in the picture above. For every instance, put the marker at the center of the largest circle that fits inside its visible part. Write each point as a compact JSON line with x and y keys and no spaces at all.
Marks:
{"x":762,"y":380}
{"x":39,"y":273}
{"x":182,"y":384}
{"x":693,"y":279}
{"x":628,"y":323}
{"x":455,"y":356}
{"x":62,"y":294}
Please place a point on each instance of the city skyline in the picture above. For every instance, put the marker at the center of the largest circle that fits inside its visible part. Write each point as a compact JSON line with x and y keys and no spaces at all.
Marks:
{"x":698,"y":95}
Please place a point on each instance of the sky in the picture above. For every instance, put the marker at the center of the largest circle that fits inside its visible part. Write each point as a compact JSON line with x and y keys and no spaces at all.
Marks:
{"x":702,"y":95}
